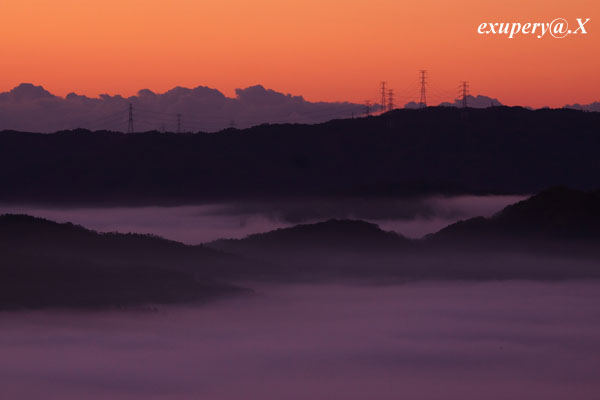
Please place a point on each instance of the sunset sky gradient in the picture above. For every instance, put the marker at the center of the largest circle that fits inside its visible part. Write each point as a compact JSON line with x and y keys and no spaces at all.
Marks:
{"x":325,"y":50}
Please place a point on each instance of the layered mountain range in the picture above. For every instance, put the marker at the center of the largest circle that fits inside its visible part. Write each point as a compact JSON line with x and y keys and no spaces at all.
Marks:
{"x":552,"y":235}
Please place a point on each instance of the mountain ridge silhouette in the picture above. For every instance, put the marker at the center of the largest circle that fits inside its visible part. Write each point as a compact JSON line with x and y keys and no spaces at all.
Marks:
{"x":436,"y":150}
{"x":44,"y":264}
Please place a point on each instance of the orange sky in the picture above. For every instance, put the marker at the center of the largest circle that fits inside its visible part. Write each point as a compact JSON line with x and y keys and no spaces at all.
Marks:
{"x":321,"y":49}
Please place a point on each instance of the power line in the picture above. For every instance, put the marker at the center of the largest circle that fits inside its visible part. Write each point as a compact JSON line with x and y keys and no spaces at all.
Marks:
{"x":119,"y":118}
{"x":388,"y":98}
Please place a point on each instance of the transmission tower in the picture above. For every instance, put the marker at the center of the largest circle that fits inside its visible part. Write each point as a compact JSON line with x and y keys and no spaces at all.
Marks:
{"x":390,"y":102}
{"x":367,"y":108}
{"x":464,"y":91}
{"x":383,"y":96}
{"x":423,"y":101}
{"x":130,"y":123}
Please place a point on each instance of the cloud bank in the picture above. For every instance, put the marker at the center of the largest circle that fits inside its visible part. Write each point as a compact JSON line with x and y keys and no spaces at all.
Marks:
{"x":595,"y":106}
{"x":478,"y":101}
{"x":32,"y":108}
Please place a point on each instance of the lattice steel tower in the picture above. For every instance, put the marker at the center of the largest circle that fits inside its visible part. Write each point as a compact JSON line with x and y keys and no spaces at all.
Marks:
{"x":464,"y":90}
{"x":383,"y":96}
{"x":130,"y":123}
{"x":423,"y":100}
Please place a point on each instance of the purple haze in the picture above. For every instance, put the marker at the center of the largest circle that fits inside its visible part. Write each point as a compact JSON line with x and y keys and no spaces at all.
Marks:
{"x":430,"y":341}
{"x":203,"y":223}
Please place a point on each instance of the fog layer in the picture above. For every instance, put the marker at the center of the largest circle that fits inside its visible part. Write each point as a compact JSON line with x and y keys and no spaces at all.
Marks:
{"x":194,"y":224}
{"x":508,"y":340}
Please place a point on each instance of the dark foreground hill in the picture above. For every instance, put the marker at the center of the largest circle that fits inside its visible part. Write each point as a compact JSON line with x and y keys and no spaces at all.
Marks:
{"x":331,"y":235}
{"x":433,"y":150}
{"x":555,"y":217}
{"x":45,"y":264}
{"x":553,"y":235}
{"x":333,"y":248}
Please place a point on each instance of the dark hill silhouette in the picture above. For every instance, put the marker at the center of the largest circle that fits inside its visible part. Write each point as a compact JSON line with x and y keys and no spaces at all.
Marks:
{"x":552,"y":235}
{"x":341,"y":235}
{"x":330,"y":249}
{"x":45,"y":264}
{"x":116,"y":248}
{"x":555,"y":214}
{"x":434,"y":150}
{"x":558,"y":214}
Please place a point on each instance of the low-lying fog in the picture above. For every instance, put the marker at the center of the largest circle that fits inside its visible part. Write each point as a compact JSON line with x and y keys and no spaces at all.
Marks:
{"x":495,"y":340}
{"x":203,"y":223}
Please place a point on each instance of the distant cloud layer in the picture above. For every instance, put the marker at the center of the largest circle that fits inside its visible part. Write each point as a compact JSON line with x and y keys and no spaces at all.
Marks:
{"x":32,"y":108}
{"x":478,"y":101}
{"x":595,"y":106}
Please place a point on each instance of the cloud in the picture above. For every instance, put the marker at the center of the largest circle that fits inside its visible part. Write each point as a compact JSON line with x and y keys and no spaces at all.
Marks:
{"x":32,"y":108}
{"x":595,"y":106}
{"x":26,"y":92}
{"x":478,"y":101}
